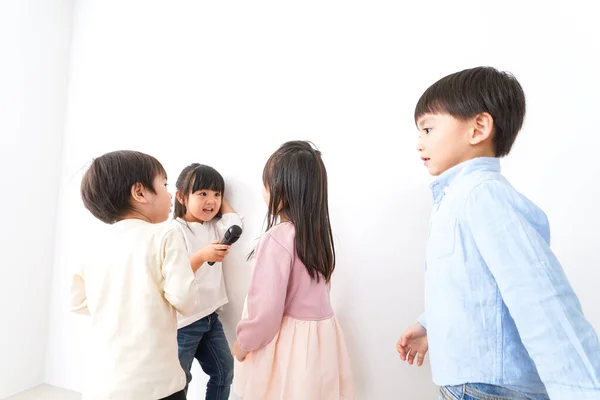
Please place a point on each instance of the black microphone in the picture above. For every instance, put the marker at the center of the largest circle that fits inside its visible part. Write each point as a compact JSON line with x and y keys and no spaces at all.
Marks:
{"x":231,"y":236}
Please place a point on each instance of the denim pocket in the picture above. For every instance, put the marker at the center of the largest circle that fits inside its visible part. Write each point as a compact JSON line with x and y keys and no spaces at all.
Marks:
{"x":452,"y":392}
{"x":480,"y":391}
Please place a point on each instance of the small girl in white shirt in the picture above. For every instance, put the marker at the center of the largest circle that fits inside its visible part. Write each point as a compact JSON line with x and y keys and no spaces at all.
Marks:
{"x":203,"y":216}
{"x":133,"y":283}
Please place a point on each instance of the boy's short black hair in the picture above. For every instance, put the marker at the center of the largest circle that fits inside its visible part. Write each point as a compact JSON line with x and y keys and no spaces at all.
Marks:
{"x":467,"y":93}
{"x":106,"y":185}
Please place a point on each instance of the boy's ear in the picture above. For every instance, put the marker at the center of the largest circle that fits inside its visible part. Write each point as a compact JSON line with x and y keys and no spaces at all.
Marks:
{"x":483,"y":128}
{"x":138,"y":193}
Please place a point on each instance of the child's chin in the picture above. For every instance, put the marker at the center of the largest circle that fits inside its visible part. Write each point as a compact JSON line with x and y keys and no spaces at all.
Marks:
{"x":207,"y":218}
{"x":433,"y":171}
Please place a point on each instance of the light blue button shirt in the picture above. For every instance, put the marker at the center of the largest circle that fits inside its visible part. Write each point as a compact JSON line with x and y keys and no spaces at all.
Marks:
{"x":498,"y":306}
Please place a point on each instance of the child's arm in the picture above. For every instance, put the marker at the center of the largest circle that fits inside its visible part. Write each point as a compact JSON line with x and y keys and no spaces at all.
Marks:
{"x":229,"y":218}
{"x":78,"y":296}
{"x":180,"y":284}
{"x":266,"y":295}
{"x":226,"y":208}
{"x":213,"y":252}
{"x":422,"y":320}
{"x":536,"y":291}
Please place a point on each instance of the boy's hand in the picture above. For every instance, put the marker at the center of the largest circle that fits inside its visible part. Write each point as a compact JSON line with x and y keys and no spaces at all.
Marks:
{"x":215,"y":251}
{"x":413,"y":342}
{"x":238,"y":352}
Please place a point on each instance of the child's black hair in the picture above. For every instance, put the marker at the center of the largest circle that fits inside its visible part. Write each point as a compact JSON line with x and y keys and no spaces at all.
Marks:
{"x":467,"y":93}
{"x":196,"y":177}
{"x":106,"y":185}
{"x":296,"y":178}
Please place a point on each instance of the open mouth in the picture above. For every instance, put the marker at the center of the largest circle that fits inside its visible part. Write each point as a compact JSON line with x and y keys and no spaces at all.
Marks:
{"x":208,"y":210}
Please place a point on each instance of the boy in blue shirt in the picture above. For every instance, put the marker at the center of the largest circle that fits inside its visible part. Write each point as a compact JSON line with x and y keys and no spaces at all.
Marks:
{"x":501,"y":320}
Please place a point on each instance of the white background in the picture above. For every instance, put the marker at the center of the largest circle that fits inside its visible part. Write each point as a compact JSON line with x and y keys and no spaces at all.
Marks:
{"x":225,"y":84}
{"x":35,"y":37}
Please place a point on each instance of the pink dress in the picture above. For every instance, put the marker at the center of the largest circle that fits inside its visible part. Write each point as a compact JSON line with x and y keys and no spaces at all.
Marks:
{"x":297,"y":349}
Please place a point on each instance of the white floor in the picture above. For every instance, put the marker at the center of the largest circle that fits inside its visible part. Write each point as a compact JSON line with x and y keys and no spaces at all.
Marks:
{"x":46,"y":392}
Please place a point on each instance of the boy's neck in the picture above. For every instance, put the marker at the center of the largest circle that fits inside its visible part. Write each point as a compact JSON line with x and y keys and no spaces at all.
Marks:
{"x":479,"y":153}
{"x":487,"y":152}
{"x":136,"y":215}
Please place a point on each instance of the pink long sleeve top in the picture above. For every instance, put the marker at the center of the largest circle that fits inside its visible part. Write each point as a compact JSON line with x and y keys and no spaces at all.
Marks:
{"x":280,"y":287}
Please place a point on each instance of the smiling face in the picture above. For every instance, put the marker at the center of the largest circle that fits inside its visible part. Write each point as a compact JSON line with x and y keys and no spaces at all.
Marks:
{"x":203,"y":205}
{"x":200,"y":190}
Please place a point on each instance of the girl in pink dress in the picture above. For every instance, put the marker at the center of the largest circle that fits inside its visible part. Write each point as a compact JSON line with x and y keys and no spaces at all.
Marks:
{"x":289,"y":344}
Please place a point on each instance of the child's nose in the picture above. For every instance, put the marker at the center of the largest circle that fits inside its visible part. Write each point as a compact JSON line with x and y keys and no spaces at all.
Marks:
{"x":419,"y":145}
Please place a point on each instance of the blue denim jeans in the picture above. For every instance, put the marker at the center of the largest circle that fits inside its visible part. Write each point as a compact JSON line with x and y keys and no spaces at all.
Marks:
{"x":481,"y":391}
{"x":205,"y":341}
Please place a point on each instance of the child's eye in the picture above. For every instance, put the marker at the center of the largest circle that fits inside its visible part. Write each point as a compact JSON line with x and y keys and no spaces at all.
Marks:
{"x":427,"y":130}
{"x":202,"y":193}
{"x":218,"y":194}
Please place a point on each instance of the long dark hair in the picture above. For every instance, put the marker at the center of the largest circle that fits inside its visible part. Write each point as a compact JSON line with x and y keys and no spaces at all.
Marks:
{"x":196,"y":177}
{"x":296,"y":179}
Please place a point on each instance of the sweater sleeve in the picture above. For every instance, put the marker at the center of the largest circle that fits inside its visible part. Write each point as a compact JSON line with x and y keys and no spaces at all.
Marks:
{"x":180,"y":283}
{"x":266,"y":296}
{"x":78,"y":303}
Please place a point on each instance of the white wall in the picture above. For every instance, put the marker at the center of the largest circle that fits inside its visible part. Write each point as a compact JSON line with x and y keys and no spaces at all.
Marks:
{"x":34,"y":47}
{"x":225,"y":84}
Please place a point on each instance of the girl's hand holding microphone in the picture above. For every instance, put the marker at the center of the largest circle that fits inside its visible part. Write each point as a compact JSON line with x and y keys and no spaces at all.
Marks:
{"x":214,"y":252}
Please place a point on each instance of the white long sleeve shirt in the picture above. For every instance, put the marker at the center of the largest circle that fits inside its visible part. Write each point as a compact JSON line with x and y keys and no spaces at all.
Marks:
{"x":132,"y":288}
{"x":210,"y":283}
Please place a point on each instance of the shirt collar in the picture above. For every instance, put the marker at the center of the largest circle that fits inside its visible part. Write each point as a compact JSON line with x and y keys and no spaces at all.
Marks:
{"x":439,"y":186}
